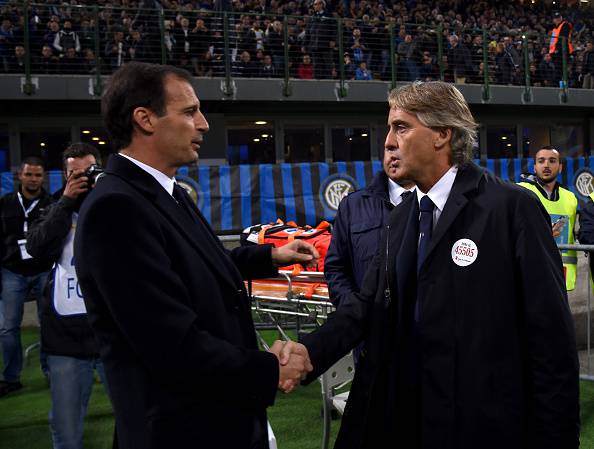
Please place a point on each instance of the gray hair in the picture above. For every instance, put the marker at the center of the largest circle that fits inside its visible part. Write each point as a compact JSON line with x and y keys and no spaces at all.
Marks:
{"x":440,"y":105}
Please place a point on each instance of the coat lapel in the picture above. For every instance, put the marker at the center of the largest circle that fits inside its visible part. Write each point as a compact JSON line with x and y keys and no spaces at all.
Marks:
{"x":190,"y":229}
{"x":467,"y":179}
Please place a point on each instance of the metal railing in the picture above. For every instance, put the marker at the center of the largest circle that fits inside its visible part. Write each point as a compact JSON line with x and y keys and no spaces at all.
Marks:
{"x":94,"y":41}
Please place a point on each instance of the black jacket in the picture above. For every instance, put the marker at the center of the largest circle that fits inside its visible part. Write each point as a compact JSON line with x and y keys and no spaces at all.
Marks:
{"x":60,"y":335}
{"x":356,"y":236}
{"x":12,"y":219}
{"x":496,"y":343}
{"x":172,"y":318}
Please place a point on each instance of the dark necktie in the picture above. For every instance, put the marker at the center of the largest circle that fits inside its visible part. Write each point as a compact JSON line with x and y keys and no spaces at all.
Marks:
{"x":181,"y":197}
{"x":425,"y":229}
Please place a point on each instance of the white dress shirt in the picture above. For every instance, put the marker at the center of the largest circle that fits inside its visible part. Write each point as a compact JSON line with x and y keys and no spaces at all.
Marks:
{"x":165,"y":181}
{"x":440,"y":192}
{"x":395,"y":191}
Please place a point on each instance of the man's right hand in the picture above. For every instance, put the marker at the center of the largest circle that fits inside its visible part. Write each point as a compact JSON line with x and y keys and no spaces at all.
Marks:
{"x":294,"y":363}
{"x":76,"y":184}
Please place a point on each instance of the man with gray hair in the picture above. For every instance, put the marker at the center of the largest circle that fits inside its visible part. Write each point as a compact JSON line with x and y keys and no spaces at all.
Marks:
{"x":469,"y":339}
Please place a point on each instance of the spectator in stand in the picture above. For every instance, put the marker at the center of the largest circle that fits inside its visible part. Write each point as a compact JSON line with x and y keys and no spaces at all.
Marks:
{"x":275,"y":43}
{"x":349,"y":67}
{"x":363,"y":73}
{"x":588,"y":66}
{"x":184,"y":44}
{"x":16,"y":64}
{"x":66,"y":38}
{"x":137,"y":47}
{"x":6,"y":43}
{"x":245,"y":67}
{"x":46,"y":63}
{"x":115,"y":50}
{"x":535,"y":77}
{"x":546,"y":70}
{"x":459,"y":60}
{"x":50,"y":36}
{"x":267,"y":70}
{"x":89,"y":63}
{"x":319,"y":31}
{"x":201,"y":38}
{"x":305,"y":69}
{"x":71,"y":63}
{"x":86,"y":34}
{"x":357,"y":46}
{"x":428,"y":70}
{"x":406,"y":51}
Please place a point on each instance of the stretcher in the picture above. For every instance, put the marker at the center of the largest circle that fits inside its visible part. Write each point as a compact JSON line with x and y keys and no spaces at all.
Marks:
{"x":290,"y":301}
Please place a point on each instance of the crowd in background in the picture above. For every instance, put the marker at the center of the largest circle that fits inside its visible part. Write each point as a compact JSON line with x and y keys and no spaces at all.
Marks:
{"x":63,"y":38}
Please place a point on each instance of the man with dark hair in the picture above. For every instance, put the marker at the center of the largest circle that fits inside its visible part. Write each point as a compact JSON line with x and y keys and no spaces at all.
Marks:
{"x":66,"y":336}
{"x":22,"y":274}
{"x":469,"y":339}
{"x":166,"y":301}
{"x":560,"y":203}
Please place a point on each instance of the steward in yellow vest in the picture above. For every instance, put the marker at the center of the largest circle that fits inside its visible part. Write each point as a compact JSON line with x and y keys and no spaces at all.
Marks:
{"x":560,"y":203}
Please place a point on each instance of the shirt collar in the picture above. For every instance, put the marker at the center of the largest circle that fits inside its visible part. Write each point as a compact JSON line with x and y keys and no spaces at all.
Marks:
{"x":165,"y":181}
{"x":440,"y":191}
{"x":395,"y":191}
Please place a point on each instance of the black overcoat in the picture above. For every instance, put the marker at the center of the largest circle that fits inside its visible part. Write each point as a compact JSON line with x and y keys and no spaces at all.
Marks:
{"x":498,"y":358}
{"x":172,"y":317}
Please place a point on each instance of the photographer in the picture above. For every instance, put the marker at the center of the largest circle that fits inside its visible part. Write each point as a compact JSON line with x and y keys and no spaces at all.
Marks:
{"x":65,"y":332}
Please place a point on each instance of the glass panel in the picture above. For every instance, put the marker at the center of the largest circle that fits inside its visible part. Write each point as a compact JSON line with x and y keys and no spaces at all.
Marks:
{"x":4,"y":149}
{"x":304,"y":143}
{"x":250,"y":143}
{"x":568,"y":139}
{"x":47,"y":144}
{"x":99,"y":138}
{"x":533,"y":139}
{"x":350,"y":144}
{"x":501,"y":143}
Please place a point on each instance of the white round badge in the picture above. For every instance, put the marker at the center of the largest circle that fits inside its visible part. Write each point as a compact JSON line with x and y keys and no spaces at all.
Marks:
{"x":464,"y":252}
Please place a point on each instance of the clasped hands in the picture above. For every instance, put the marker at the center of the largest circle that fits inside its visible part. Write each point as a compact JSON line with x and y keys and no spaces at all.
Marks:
{"x":294,"y":363}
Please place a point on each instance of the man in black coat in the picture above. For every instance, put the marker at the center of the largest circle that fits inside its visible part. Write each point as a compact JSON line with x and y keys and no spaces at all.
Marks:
{"x":166,"y":301}
{"x":469,"y":338}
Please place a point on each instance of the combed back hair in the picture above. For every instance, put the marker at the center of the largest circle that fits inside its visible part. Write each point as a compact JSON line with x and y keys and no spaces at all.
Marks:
{"x":440,"y":105}
{"x":32,"y":160}
{"x":135,"y":84}
{"x":80,"y":149}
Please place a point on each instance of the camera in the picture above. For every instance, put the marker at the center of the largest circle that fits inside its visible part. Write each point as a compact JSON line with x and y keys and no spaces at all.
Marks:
{"x":93,"y":173}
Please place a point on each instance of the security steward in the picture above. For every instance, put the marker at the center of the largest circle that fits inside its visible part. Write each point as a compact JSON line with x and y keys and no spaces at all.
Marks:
{"x":560,"y":203}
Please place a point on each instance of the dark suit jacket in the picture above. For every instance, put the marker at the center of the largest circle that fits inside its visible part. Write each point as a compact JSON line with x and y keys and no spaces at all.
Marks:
{"x":172,"y":318}
{"x":497,"y":348}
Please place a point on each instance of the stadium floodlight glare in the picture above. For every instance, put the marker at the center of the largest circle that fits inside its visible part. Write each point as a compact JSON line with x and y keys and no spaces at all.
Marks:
{"x":364,"y":135}
{"x":101,"y":142}
{"x":509,"y":145}
{"x":95,"y":138}
{"x":503,"y":137}
{"x":261,"y":122}
{"x":265,"y":135}
{"x":86,"y":131}
{"x":256,"y":140}
{"x":42,"y":144}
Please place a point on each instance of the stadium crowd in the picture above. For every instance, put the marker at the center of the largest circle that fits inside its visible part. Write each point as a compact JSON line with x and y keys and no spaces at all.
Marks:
{"x":63,"y":38}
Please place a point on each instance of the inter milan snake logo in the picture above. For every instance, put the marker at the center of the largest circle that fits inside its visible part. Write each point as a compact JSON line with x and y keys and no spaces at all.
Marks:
{"x":583,"y":183}
{"x":335,"y":189}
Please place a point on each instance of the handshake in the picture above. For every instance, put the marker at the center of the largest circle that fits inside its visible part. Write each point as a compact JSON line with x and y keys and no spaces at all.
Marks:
{"x":294,"y":362}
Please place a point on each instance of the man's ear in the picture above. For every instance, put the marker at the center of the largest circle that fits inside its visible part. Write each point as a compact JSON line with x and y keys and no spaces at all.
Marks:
{"x":143,"y":118}
{"x":443,"y":136}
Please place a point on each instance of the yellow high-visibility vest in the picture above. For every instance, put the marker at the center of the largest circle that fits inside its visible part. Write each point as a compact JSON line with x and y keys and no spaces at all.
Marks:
{"x":564,"y":208}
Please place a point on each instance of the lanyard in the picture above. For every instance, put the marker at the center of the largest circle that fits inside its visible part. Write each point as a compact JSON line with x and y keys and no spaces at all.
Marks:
{"x":26,"y":211}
